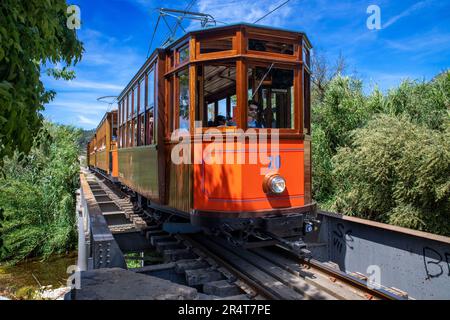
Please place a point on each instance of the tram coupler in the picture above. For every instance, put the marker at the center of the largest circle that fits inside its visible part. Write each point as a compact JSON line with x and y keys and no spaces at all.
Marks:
{"x":298,"y":246}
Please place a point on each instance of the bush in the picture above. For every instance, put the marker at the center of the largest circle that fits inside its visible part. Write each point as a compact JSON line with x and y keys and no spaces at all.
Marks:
{"x":342,"y":109}
{"x":376,"y":186}
{"x":425,"y":103}
{"x":37,"y":196}
{"x":396,"y":172}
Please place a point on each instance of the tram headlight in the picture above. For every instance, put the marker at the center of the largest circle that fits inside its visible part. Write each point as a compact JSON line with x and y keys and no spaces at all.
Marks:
{"x":277,"y":184}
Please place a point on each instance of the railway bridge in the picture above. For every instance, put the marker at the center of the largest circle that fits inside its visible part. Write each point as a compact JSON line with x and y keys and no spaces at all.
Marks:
{"x":352,"y":258}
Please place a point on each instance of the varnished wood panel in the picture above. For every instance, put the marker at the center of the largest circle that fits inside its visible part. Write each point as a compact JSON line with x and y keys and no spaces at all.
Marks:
{"x":307,"y":170}
{"x":180,"y":185}
{"x":138,"y":170}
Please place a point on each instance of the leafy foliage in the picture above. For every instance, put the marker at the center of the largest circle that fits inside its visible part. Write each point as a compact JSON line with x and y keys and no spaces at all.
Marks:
{"x":396,"y":172}
{"x":86,"y":136}
{"x":342,"y":109}
{"x":385,"y":157}
{"x":37,"y":196}
{"x":32,"y":34}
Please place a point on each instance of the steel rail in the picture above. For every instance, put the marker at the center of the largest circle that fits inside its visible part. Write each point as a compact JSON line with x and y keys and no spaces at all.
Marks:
{"x":259,"y":288}
{"x":353,"y":281}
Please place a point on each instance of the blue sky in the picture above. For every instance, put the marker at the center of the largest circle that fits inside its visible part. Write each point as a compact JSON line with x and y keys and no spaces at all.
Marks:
{"x":414,"y":42}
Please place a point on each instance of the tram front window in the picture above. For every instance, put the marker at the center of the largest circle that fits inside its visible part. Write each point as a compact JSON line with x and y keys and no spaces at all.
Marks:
{"x":271,"y":98}
{"x":217,"y":95}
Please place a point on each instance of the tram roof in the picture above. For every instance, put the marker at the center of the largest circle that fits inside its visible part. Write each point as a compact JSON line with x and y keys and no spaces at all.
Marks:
{"x":232,"y":26}
{"x":203,"y":30}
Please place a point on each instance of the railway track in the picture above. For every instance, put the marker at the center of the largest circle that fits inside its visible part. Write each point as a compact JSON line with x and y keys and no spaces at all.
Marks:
{"x":219,"y":270}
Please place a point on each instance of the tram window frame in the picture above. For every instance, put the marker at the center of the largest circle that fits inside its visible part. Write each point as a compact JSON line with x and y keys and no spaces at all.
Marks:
{"x":150,"y":106}
{"x":230,"y":36}
{"x":123,"y":112}
{"x":141,"y":129}
{"x":122,"y":118}
{"x":150,"y":126}
{"x":141,"y":105}
{"x":306,"y":101}
{"x":178,"y":117}
{"x":139,"y":140}
{"x":135,"y":132}
{"x":135,"y":100}
{"x":183,"y":49}
{"x":129,"y":132}
{"x":252,"y":46}
{"x":306,"y":56}
{"x":171,"y":104}
{"x":223,"y":100}
{"x":119,"y":125}
{"x":294,"y":112}
{"x":150,"y":98}
{"x":129,"y":105}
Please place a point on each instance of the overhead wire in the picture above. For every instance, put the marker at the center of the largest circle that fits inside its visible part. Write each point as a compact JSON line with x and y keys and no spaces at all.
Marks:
{"x":272,"y":11}
{"x":153,"y":36}
{"x":181,"y":18}
{"x":172,"y":31}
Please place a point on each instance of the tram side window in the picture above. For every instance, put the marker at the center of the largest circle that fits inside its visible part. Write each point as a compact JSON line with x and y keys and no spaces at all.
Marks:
{"x":270,"y":98}
{"x":129,"y":141}
{"x":119,"y":123}
{"x":270,"y":46}
{"x":135,"y":132}
{"x":149,"y":118}
{"x":114,"y":119}
{"x":130,"y":105}
{"x":141,"y":114}
{"x":141,"y":129}
{"x":217,"y":101}
{"x":306,"y":56}
{"x":307,"y":102}
{"x":183,"y":54}
{"x":142,"y":95}
{"x":150,"y":126}
{"x":211,"y":45}
{"x":151,"y":88}
{"x":122,"y":126}
{"x":135,"y":101}
{"x":183,"y":100}
{"x":135,"y":118}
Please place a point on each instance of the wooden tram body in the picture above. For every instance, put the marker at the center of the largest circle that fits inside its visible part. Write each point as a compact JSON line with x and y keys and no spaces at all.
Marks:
{"x":229,"y":79}
{"x":102,"y":153}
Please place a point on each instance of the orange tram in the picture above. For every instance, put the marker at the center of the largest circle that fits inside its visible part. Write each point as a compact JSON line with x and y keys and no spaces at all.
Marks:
{"x":234,"y":80}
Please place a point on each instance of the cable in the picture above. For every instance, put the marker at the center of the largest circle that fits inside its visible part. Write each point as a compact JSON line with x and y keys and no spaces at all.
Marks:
{"x":189,"y":6}
{"x":270,"y":12}
{"x":153,"y":36}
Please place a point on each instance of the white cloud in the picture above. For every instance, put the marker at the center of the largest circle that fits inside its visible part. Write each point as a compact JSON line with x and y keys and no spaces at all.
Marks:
{"x":427,"y":43}
{"x":87,"y":121}
{"x":107,"y":66}
{"x":245,"y":11}
{"x":79,"y":107}
{"x":93,"y":85}
{"x":407,"y":12}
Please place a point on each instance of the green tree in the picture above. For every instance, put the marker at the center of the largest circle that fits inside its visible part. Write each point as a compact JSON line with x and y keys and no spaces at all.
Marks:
{"x":37,"y":196}
{"x":33,"y":33}
{"x":342,"y":108}
{"x":397,"y":172}
{"x":425,"y":103}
